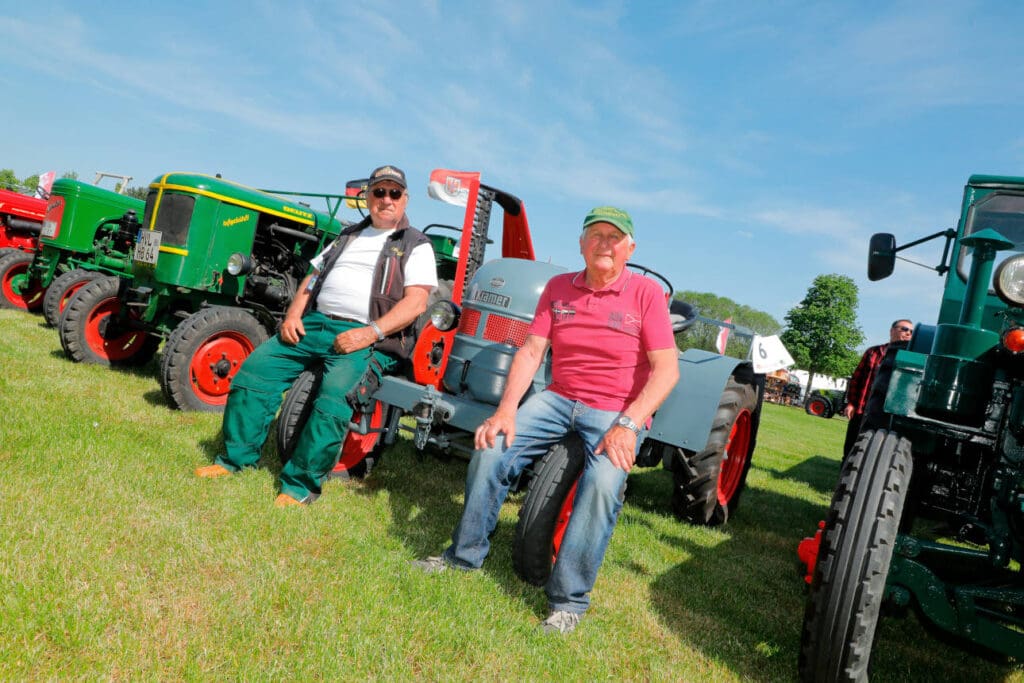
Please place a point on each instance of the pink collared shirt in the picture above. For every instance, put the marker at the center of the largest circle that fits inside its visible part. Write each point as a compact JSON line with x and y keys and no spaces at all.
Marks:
{"x":600,"y":338}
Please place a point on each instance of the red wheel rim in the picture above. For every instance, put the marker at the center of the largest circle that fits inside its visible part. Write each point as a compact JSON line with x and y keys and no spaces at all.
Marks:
{"x":358,"y":446}
{"x":215,"y":363}
{"x":817,"y":408}
{"x":562,"y":521}
{"x":18,"y":290}
{"x":68,"y":293}
{"x":734,"y":460}
{"x":113,"y":348}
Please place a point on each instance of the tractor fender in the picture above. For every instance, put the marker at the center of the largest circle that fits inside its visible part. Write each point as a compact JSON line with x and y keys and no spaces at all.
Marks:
{"x":685,"y":418}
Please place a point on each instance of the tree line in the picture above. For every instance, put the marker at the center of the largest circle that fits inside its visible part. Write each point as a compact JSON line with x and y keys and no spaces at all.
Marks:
{"x":27,"y":185}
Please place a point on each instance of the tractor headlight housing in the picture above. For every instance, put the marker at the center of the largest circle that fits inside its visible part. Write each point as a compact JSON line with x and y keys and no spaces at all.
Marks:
{"x":239,"y":264}
{"x":1009,"y":280}
{"x":444,"y":315}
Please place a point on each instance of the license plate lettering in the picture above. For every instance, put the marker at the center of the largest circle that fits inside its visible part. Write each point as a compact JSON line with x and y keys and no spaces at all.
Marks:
{"x":147,"y":248}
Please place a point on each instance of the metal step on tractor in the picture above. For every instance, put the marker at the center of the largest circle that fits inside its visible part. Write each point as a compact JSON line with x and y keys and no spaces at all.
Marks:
{"x":214,"y":268}
{"x":704,"y":433}
{"x":21,"y":219}
{"x":88,"y":233}
{"x":928,"y":513}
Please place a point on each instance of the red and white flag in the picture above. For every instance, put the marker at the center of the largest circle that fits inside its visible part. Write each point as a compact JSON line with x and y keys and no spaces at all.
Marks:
{"x":723,"y":336}
{"x":452,"y":187}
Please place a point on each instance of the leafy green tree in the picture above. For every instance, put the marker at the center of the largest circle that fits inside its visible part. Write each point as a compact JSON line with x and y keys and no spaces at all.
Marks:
{"x":822,"y":332}
{"x":8,"y":180}
{"x":703,"y":335}
{"x":138,"y":193}
{"x":31,"y":182}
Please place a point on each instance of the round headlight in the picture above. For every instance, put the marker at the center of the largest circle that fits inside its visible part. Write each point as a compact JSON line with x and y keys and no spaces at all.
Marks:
{"x":444,"y":315}
{"x":239,"y":264}
{"x":1009,"y":280}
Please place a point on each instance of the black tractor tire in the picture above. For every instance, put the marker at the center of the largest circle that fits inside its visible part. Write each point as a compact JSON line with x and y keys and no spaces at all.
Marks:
{"x":16,"y":291}
{"x":708,"y":484}
{"x":90,"y":331}
{"x":819,"y":406}
{"x":60,"y":291}
{"x":295,"y":410}
{"x":854,"y":558}
{"x":203,"y":354}
{"x":546,"y":510}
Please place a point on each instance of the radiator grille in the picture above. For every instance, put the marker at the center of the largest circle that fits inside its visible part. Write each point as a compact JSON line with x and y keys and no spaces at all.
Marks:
{"x":505,"y":330}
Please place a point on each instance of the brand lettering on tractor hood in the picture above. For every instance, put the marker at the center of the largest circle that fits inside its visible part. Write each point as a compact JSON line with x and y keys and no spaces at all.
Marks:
{"x":491,"y":298}
{"x":235,"y":221}
{"x":297,"y":212}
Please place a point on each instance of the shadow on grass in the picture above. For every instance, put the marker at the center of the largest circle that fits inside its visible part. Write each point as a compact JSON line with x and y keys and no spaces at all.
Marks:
{"x":818,"y":472}
{"x":739,"y":598}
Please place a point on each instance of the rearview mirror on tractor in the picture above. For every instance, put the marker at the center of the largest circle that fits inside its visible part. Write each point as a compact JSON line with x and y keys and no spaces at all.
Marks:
{"x":881,"y":256}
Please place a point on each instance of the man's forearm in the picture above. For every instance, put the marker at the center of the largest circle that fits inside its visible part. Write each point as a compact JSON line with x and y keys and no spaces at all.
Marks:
{"x":520,"y":375}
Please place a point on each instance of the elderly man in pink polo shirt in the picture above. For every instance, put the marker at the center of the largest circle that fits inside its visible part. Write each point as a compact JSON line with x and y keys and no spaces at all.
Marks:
{"x":613,"y":361}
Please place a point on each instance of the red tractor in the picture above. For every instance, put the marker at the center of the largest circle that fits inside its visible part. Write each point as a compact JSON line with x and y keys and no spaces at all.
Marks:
{"x":21,"y":219}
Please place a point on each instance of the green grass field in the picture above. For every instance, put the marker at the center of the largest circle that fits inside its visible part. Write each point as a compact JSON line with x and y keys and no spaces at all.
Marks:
{"x":118,"y":564}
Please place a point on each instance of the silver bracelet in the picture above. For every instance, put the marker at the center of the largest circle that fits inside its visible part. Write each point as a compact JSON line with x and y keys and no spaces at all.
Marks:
{"x":376,"y":328}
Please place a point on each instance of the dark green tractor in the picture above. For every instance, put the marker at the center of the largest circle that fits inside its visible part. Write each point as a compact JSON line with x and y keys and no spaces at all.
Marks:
{"x":88,"y":233}
{"x":929,"y":510}
{"x":214,"y":268}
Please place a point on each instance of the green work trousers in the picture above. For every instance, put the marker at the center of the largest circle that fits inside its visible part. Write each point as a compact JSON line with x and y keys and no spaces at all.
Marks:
{"x":257,"y":391}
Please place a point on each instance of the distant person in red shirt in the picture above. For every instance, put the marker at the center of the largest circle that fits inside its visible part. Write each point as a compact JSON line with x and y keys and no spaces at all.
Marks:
{"x":859,"y":387}
{"x":613,"y":361}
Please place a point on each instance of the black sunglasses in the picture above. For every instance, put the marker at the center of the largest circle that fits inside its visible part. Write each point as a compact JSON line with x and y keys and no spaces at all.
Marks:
{"x":380,"y":192}
{"x":903,"y":328}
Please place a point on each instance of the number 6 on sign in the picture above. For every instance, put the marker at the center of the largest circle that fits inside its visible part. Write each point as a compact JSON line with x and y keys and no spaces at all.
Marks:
{"x":770,"y":354}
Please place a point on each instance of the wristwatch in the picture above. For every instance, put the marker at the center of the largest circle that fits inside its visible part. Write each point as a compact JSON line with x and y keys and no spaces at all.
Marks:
{"x":627,"y":422}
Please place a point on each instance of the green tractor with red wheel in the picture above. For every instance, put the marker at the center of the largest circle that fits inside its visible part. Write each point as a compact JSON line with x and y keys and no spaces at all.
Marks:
{"x":214,"y":266}
{"x":704,"y":433}
{"x":928,"y":514}
{"x":88,"y":233}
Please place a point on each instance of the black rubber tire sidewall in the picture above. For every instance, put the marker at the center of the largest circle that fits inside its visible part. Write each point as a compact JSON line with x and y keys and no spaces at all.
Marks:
{"x":554,"y":476}
{"x":695,"y":475}
{"x":848,"y":585}
{"x":185,"y":341}
{"x":55,"y":293}
{"x":295,"y":411}
{"x":8,"y":260}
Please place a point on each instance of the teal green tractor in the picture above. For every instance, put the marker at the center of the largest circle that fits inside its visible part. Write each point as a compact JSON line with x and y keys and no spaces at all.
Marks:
{"x":214,"y":267}
{"x":929,"y":510}
{"x":88,"y":233}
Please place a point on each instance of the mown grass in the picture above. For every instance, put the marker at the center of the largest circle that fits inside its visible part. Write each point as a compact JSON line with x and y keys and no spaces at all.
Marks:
{"x":117,"y":563}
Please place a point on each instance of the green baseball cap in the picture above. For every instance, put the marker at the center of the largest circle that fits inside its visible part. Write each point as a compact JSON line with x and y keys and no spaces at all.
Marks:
{"x":609,"y":214}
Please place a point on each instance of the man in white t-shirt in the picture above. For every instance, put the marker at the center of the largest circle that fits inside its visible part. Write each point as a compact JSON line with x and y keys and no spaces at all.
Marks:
{"x":352,"y":313}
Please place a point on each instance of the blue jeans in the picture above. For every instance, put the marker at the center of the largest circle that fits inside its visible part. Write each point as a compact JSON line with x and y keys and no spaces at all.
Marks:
{"x":543,"y":420}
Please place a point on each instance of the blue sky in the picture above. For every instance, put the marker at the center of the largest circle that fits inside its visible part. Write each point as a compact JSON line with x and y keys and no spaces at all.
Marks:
{"x":757,"y":144}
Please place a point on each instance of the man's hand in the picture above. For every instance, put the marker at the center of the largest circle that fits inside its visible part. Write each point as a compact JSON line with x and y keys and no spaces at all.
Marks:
{"x":354,"y":339}
{"x":292,"y":330}
{"x":619,"y":444}
{"x":496,"y":424}
{"x":848,"y":411}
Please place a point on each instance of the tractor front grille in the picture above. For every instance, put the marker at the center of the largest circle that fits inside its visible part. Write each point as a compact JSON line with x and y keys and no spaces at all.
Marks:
{"x":498,"y":328}
{"x":505,"y":330}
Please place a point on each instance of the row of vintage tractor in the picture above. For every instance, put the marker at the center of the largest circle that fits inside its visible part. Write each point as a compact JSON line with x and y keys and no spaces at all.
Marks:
{"x":210,"y":266}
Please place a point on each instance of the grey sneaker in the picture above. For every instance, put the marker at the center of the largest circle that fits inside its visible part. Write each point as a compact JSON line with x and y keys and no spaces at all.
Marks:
{"x":431,"y":565}
{"x":561,"y":621}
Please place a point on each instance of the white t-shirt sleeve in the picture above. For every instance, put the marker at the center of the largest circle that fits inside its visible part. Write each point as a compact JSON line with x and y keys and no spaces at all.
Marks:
{"x":420,"y":269}
{"x":318,"y":261}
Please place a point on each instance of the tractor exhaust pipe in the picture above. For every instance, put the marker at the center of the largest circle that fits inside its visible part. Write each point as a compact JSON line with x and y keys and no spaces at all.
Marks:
{"x":22,"y":224}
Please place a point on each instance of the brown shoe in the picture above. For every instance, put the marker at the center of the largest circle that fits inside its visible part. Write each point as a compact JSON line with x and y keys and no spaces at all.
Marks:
{"x":212,"y":471}
{"x":284,"y":500}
